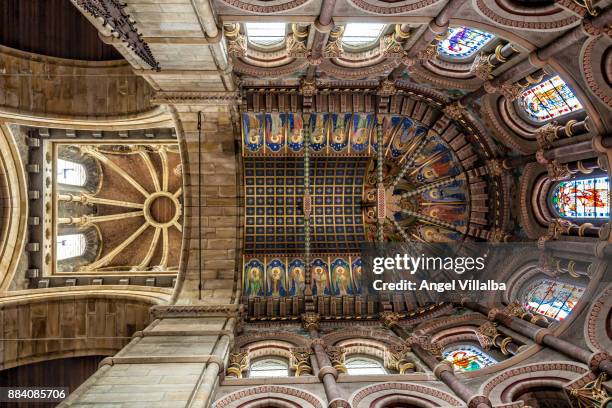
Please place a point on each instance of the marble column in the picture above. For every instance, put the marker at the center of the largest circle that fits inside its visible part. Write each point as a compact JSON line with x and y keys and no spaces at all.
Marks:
{"x":328,"y":374}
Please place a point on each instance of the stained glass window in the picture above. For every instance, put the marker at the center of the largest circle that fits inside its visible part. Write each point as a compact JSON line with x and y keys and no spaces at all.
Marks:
{"x":463,"y":42}
{"x":584,"y":198}
{"x":551,"y":298}
{"x":71,"y":173}
{"x":549,"y":99}
{"x":361,"y":365}
{"x":358,"y":34}
{"x":265,"y":33}
{"x":269,"y":367}
{"x":70,"y":246}
{"x":466,"y":357}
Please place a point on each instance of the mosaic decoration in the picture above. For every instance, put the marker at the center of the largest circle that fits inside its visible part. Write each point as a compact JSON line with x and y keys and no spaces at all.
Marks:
{"x":466,"y":357}
{"x":253,"y":278}
{"x":284,"y":275}
{"x":253,"y":131}
{"x":318,"y":131}
{"x":275,"y":132}
{"x":274,"y":220}
{"x":276,"y":278}
{"x":404,"y":134}
{"x":435,"y":161}
{"x":463,"y":42}
{"x":340,"y":131}
{"x":340,"y":272}
{"x":584,"y":198}
{"x":295,"y":132}
{"x":429,"y":159}
{"x":330,"y":133}
{"x":361,"y":130}
{"x":552,"y":299}
{"x":549,"y":99}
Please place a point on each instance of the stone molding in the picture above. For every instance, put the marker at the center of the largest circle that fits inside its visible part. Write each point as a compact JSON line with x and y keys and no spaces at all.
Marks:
{"x":263,"y":7}
{"x":570,"y":369}
{"x":432,"y":394}
{"x":594,"y":329}
{"x":237,"y":398}
{"x":162,"y":312}
{"x":590,"y":72}
{"x":385,"y":8}
{"x":196,"y":98}
{"x":565,"y":19}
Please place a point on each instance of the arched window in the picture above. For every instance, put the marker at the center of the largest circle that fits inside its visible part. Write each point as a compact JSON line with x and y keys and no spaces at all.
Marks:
{"x":467,"y":357}
{"x":70,"y":246}
{"x":361,"y":34}
{"x":71,"y":173}
{"x":549,"y":99}
{"x":362,"y":365}
{"x":269,"y":367}
{"x":463,"y":42}
{"x":551,"y":298}
{"x":265,"y":34}
{"x":582,"y":198}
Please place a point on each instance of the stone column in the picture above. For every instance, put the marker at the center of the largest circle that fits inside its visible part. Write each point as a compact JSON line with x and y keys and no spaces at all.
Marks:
{"x":430,"y":354}
{"x":328,"y":371}
{"x":597,"y":362}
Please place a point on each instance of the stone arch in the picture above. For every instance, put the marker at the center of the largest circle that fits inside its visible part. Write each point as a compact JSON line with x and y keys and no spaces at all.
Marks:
{"x":294,"y":339}
{"x":378,"y":395}
{"x":13,"y":207}
{"x":595,"y":332}
{"x":377,"y":335}
{"x":505,"y":386}
{"x":269,"y":395}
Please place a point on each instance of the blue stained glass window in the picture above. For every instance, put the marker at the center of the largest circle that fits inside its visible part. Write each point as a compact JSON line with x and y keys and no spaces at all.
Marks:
{"x":549,"y":99}
{"x":466,"y":357}
{"x":463,"y":42}
{"x":551,"y":298}
{"x":584,"y":198}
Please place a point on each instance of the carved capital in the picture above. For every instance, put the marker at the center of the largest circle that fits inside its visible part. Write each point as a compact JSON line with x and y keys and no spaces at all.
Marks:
{"x":236,"y":41}
{"x":430,"y":52}
{"x":300,"y":361}
{"x":557,"y":171}
{"x":308,"y":88}
{"x":310,"y":321}
{"x":397,"y":358}
{"x":547,"y":134}
{"x":390,"y":319}
{"x":481,"y":67}
{"x":336,"y":356}
{"x":238,"y":363}
{"x":511,"y":91}
{"x":386,"y":88}
{"x":486,"y":334}
{"x":390,"y":47}
{"x":455,"y":110}
{"x":515,"y":309}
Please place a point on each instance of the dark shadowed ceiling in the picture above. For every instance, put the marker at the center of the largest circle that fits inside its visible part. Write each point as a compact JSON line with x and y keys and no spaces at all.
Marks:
{"x":51,"y":27}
